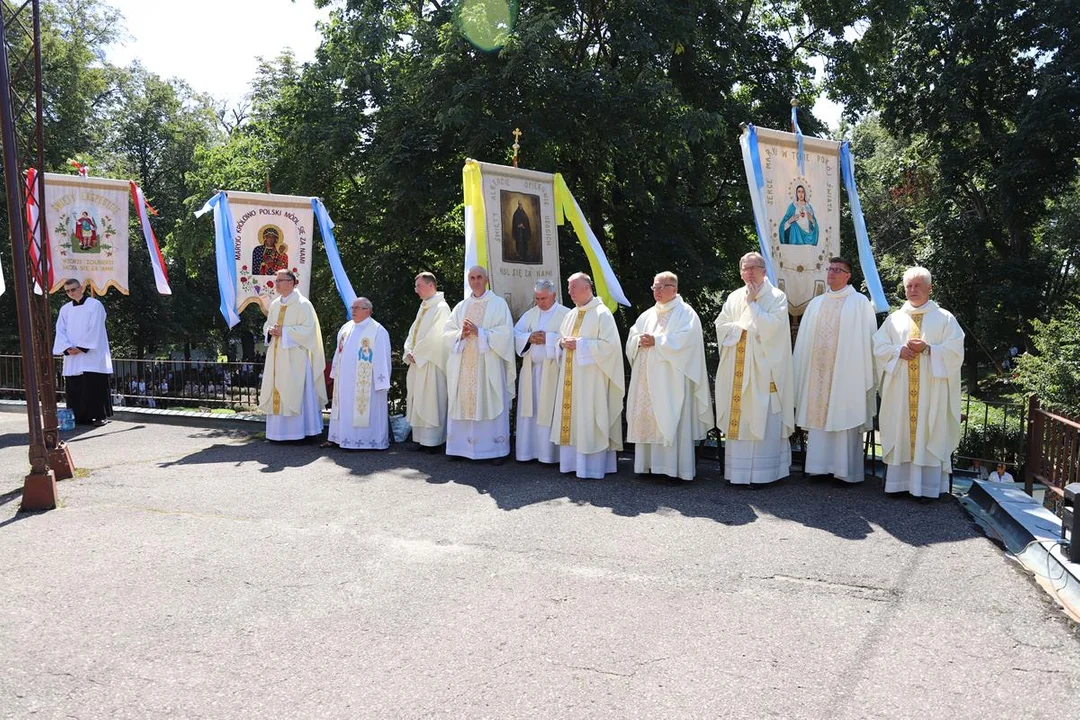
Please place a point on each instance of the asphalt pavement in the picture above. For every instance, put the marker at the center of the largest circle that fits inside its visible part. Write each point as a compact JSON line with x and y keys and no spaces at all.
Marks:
{"x":203,"y":572}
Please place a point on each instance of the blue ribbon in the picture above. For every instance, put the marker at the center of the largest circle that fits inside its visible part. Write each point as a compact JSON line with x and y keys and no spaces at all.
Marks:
{"x":759,"y":190}
{"x":224,"y":254}
{"x":341,"y":279}
{"x":866,"y":255}
{"x":799,"y":137}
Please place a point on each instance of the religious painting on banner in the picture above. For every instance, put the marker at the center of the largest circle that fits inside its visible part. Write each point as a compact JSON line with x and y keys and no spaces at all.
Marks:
{"x":523,"y":244}
{"x":88,"y":230}
{"x":271,"y":233}
{"x":802,"y":210}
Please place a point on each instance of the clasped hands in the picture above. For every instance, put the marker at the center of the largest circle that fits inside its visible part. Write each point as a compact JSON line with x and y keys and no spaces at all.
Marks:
{"x":74,"y":351}
{"x":537,"y":337}
{"x":568,"y":343}
{"x":469,"y":329}
{"x":911,"y":349}
{"x":275,"y":331}
{"x":646,"y":340}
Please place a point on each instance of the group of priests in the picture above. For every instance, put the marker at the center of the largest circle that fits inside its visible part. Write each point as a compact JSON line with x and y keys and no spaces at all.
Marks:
{"x":571,"y":389}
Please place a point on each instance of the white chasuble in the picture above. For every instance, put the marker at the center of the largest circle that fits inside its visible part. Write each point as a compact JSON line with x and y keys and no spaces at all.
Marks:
{"x":361,"y":368}
{"x":591,"y":384}
{"x":755,"y":378}
{"x":835,"y":389}
{"x":479,"y":378}
{"x":292,"y":359}
{"x":661,"y":376}
{"x":480,"y":368}
{"x":425,"y":382}
{"x":920,"y":398}
{"x":359,"y":416}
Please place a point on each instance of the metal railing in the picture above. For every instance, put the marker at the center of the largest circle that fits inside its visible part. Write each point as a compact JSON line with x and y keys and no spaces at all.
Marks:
{"x":992,"y":432}
{"x":1053,"y":451}
{"x":189,"y":384}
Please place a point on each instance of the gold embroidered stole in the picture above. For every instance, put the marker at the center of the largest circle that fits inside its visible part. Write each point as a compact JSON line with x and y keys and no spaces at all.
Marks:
{"x":277,"y":342}
{"x":416,"y":326}
{"x":568,"y":383}
{"x":736,"y":388}
{"x":913,"y":383}
{"x":365,"y":370}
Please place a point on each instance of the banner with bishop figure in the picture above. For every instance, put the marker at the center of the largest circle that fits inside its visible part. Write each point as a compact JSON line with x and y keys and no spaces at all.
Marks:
{"x":523,"y":239}
{"x":511,"y":228}
{"x":270,"y":233}
{"x":88,"y":231}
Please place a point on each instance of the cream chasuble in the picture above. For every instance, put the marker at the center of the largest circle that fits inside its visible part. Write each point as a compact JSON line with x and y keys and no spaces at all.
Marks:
{"x":755,"y":377}
{"x":835,"y":388}
{"x":591,"y":383}
{"x":288,"y":356}
{"x":480,"y":369}
{"x":920,"y":398}
{"x":425,"y":383}
{"x":543,"y":358}
{"x":667,"y":375}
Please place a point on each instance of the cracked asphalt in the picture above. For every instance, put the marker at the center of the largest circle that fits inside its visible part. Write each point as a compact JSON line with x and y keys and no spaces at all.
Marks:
{"x":200,"y":572}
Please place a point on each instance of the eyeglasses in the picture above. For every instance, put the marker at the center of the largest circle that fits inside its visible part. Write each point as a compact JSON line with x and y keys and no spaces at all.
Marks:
{"x":659,"y":287}
{"x":745,"y":268}
{"x":71,"y":289}
{"x":839,"y":270}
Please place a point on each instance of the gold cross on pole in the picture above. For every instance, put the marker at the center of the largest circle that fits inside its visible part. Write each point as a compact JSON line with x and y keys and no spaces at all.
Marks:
{"x":517,"y":146}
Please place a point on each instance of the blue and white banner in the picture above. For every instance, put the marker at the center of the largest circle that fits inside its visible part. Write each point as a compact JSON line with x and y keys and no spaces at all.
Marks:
{"x":795,"y":188}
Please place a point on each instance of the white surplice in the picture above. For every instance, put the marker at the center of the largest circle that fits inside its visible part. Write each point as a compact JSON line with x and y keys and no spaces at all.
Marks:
{"x":537,"y":384}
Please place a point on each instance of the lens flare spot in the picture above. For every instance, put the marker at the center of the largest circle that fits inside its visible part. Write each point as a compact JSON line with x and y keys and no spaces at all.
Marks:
{"x":487,"y":24}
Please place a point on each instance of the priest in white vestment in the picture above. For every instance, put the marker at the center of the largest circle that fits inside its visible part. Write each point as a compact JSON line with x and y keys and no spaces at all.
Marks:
{"x":536,"y":339}
{"x":359,"y":414}
{"x":293,"y":391}
{"x":669,"y":406}
{"x":919,"y":351}
{"x":479,"y":373}
{"x":754,"y":396}
{"x":835,"y":388}
{"x":425,"y":354}
{"x":587,"y":425}
{"x":82,"y":340}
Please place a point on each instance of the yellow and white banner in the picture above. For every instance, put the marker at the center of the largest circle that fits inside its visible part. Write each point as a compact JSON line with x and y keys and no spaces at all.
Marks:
{"x":511,"y":228}
{"x":801,"y":209}
{"x":88,"y":231}
{"x":270,"y":233}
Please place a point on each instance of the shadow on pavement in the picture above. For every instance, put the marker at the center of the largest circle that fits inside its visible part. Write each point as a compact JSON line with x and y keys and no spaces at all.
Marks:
{"x":853,"y":513}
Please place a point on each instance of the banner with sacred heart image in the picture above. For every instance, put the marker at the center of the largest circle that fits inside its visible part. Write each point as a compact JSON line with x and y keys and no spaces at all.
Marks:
{"x":270,"y":233}
{"x":802,"y":209}
{"x":88,"y":231}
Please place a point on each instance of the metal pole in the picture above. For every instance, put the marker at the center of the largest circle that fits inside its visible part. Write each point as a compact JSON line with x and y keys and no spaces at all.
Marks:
{"x":39,"y":487}
{"x":59,"y":456}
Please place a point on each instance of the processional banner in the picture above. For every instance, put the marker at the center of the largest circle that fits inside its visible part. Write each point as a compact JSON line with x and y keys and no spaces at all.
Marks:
{"x":270,"y":233}
{"x":521,"y":231}
{"x":801,"y":210}
{"x":511,"y":228}
{"x":87,"y":231}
